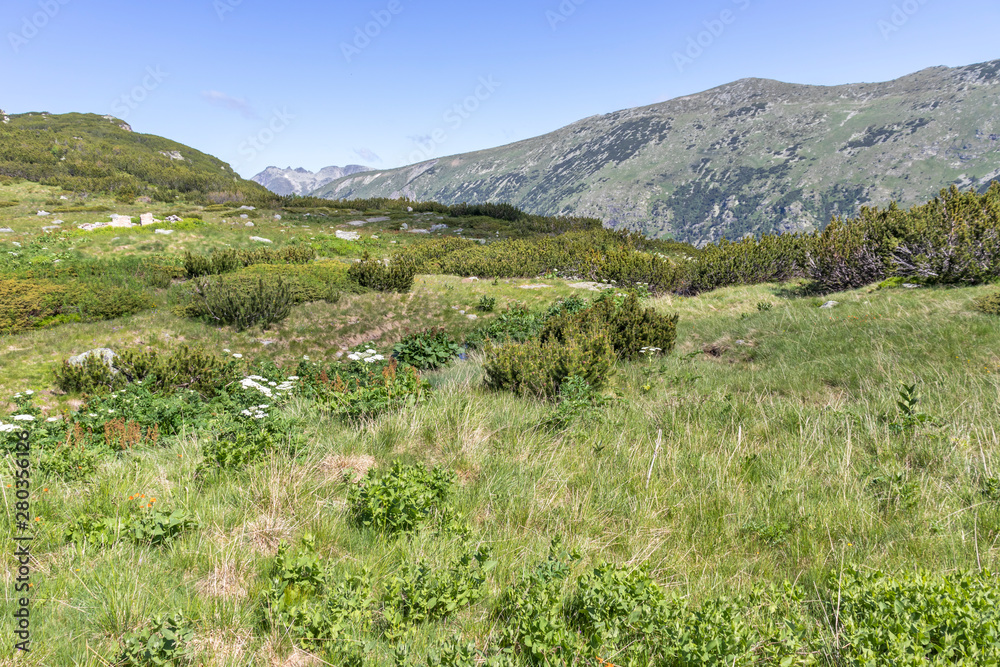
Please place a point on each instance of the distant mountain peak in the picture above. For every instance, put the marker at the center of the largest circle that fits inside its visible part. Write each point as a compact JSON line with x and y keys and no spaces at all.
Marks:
{"x":301,"y":181}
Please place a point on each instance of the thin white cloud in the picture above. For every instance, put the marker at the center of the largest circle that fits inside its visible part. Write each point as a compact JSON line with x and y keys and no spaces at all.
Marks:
{"x":367,"y":154}
{"x":219,"y":99}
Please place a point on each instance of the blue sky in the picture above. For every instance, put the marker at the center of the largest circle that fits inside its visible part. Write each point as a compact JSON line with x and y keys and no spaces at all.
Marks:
{"x":300,"y":83}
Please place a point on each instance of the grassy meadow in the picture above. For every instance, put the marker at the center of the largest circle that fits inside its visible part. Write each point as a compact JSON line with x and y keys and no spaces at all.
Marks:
{"x":768,"y":448}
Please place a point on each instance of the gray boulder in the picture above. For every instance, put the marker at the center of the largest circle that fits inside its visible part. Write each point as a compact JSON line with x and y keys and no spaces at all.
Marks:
{"x":106,"y":355}
{"x":830,"y":304}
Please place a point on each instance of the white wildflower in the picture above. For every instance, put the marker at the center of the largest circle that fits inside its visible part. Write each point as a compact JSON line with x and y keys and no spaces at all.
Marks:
{"x":237,"y":356}
{"x":293,"y":378}
{"x":24,"y":418}
{"x":228,"y":351}
{"x":52,"y":419}
{"x":7,"y":428}
{"x":28,"y":392}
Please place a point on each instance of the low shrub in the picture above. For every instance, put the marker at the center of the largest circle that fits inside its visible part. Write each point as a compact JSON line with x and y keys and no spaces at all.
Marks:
{"x":989,"y":304}
{"x":24,"y":304}
{"x":255,"y":435}
{"x":182,"y":368}
{"x":231,"y":259}
{"x":486,"y":303}
{"x":427,"y":350}
{"x":244,"y":303}
{"x":395,"y":276}
{"x":142,"y":522}
{"x":629,"y":327}
{"x":401,"y":499}
{"x":534,"y":368}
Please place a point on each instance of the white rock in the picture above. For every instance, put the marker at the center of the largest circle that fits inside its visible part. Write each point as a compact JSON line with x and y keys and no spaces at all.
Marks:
{"x":104,"y":353}
{"x":409,"y":209}
{"x":120,"y":220}
{"x":163,"y":231}
{"x":247,"y":208}
{"x":173,"y":218}
{"x":357,"y":223}
{"x":42,"y":213}
{"x":260,"y":240}
{"x":146,"y":219}
{"x":249,"y":224}
{"x":6,"y":230}
{"x":64,"y":197}
{"x":277,"y":217}
{"x":473,"y":317}
{"x":347,"y":236}
{"x":830,"y":304}
{"x":244,"y":217}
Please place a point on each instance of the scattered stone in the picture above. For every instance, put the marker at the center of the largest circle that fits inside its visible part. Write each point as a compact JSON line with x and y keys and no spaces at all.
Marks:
{"x":163,"y":231}
{"x":409,"y":209}
{"x":173,"y":218}
{"x":173,"y":155}
{"x":277,"y":217}
{"x":147,"y":219}
{"x":268,"y":341}
{"x":43,"y":213}
{"x":120,"y":220}
{"x":348,"y":236}
{"x":104,"y":353}
{"x":244,"y":217}
{"x":6,"y":230}
{"x":420,"y":231}
{"x":91,"y":226}
{"x":593,"y":287}
{"x":473,"y":317}
{"x":249,"y":224}
{"x":247,"y":208}
{"x":911,"y":286}
{"x":260,"y":240}
{"x":404,"y":227}
{"x":56,"y":222}
{"x":830,"y":304}
{"x":534,"y":286}
{"x":49,"y":228}
{"x":438,"y":228}
{"x":64,"y":197}
{"x":357,"y":223}
{"x":472,"y":279}
{"x":379,"y":219}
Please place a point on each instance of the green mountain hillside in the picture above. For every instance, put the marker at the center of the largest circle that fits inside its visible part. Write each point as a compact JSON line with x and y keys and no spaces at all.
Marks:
{"x":91,"y":153}
{"x":753,"y":156}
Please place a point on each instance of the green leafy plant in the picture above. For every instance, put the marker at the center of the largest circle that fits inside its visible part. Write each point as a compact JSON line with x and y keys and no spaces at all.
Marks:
{"x":909,"y":418}
{"x":372,"y":389}
{"x":515,"y":324}
{"x":427,"y":350}
{"x":401,"y":499}
{"x":421,"y":592}
{"x":577,"y":400}
{"x":165,"y":642}
{"x":486,"y":303}
{"x":893,"y":492}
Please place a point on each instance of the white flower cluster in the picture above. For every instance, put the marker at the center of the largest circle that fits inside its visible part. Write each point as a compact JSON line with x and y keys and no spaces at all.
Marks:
{"x":256,"y":411}
{"x":267,"y":387}
{"x":369,"y":356}
{"x":7,"y":428}
{"x":27,"y":393}
{"x":651,"y":350}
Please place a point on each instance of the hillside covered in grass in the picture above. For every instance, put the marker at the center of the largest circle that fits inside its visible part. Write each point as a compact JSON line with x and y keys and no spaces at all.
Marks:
{"x":411,"y":434}
{"x":87,"y":153}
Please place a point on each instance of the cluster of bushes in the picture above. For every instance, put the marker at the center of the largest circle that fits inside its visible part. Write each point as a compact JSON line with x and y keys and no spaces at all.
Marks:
{"x":582,"y":342}
{"x":230,"y":259}
{"x":599,"y":254}
{"x":182,"y":368}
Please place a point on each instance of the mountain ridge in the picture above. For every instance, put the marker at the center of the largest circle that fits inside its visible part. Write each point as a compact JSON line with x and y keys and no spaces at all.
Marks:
{"x":301,"y":181}
{"x":748,"y":157}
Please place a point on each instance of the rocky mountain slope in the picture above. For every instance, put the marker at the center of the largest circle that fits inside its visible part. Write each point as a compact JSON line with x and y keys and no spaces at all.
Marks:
{"x":302,"y":181}
{"x":752,"y":156}
{"x":91,"y":153}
